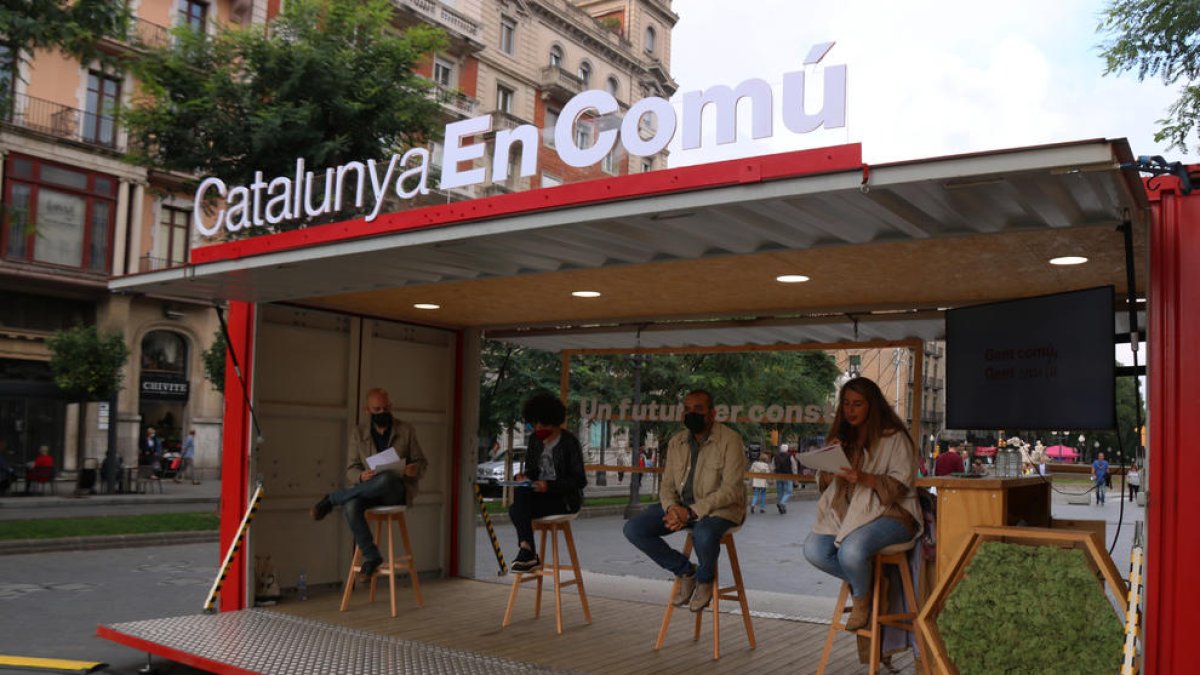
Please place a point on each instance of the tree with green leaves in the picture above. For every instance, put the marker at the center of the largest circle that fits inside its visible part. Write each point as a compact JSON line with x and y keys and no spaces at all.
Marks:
{"x":214,"y":362}
{"x":88,"y":366}
{"x":510,"y":374}
{"x":73,"y":26}
{"x":330,"y":81}
{"x":1159,"y":38}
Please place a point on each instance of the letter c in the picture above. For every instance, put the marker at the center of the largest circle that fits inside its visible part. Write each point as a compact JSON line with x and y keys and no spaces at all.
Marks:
{"x":604,"y":104}
{"x":198,"y":207}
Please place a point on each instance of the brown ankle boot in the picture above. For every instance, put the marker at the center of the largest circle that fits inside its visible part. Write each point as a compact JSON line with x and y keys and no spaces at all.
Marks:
{"x":860,"y":612}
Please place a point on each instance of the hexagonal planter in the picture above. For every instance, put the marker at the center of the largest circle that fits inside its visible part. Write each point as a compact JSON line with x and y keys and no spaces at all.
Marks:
{"x":1106,"y":574}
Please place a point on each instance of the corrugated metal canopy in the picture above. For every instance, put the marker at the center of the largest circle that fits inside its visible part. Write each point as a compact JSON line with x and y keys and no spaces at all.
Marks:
{"x":705,"y":243}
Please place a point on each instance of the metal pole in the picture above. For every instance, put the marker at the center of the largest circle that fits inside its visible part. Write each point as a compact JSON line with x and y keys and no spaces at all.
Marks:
{"x":635,"y":479}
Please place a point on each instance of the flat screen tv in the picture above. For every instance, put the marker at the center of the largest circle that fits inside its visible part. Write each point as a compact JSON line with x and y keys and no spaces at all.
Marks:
{"x":1036,"y":363}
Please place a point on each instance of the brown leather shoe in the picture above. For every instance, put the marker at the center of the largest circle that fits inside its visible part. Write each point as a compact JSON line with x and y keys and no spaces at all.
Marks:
{"x":860,"y":613}
{"x":701,"y":597}
{"x":687,"y":585}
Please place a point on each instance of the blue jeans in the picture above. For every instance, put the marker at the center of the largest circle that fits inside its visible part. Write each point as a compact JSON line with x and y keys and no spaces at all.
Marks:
{"x":853,"y":559}
{"x":783,"y":491}
{"x":760,"y":498}
{"x":384,"y":489}
{"x":1101,"y":489}
{"x":646,"y":531}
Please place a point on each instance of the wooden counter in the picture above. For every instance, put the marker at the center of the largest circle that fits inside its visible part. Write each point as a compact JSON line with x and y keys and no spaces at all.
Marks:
{"x":964,"y":503}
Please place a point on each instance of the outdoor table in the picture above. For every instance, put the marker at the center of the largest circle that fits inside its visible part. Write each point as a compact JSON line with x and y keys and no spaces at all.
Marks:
{"x":964,"y":503}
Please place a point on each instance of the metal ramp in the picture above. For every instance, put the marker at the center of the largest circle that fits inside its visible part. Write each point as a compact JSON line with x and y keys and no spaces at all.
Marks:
{"x":259,"y":641}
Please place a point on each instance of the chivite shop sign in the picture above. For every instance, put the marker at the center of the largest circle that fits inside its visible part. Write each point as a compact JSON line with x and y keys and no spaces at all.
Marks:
{"x":304,"y":194}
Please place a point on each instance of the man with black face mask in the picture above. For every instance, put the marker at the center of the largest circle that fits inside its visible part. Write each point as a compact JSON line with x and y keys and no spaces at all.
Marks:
{"x":387,"y":487}
{"x":703,"y":489}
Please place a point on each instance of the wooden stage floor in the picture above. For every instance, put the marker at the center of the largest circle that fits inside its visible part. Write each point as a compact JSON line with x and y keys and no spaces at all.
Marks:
{"x":466,"y":614}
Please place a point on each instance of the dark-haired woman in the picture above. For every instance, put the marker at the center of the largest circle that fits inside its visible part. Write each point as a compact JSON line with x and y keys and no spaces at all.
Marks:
{"x":870,"y":504}
{"x":554,"y":468}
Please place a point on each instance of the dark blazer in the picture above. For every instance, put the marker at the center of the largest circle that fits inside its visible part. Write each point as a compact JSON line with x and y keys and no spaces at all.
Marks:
{"x":568,"y":466}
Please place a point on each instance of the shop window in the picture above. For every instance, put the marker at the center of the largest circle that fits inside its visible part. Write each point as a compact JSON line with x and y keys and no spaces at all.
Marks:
{"x":508,"y":35}
{"x":193,"y":14}
{"x":99,"y":118}
{"x":57,"y":215}
{"x":164,"y":352}
{"x":171,"y":238}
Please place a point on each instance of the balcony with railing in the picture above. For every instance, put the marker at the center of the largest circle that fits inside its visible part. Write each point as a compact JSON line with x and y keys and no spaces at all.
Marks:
{"x":458,"y":25}
{"x":137,"y":34}
{"x":502,"y":120}
{"x":558,"y":83}
{"x":65,"y":122}
{"x":454,"y":101}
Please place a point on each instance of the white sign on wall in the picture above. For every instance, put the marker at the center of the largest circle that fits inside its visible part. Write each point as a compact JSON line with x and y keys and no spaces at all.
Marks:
{"x":302,"y":195}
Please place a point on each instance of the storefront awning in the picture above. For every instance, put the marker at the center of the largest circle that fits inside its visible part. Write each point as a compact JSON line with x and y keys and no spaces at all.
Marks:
{"x":691,"y":255}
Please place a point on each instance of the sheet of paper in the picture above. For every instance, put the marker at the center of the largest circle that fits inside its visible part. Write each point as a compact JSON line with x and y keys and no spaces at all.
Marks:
{"x":387,"y":460}
{"x":829,"y":458}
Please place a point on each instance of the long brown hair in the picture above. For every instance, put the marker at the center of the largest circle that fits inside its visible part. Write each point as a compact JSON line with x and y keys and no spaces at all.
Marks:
{"x":881,"y":419}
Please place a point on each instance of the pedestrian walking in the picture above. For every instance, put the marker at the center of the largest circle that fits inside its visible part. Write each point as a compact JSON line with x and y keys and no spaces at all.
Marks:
{"x":187,"y":459}
{"x":783,"y":487}
{"x":1100,"y":477}
{"x":1133,"y":478}
{"x":760,"y":484}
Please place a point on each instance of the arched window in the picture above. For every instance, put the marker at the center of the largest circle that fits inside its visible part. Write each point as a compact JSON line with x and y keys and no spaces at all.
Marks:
{"x":164,"y":352}
{"x":585,"y":74}
{"x":612,"y":86}
{"x":556,"y":56}
{"x":651,"y":36}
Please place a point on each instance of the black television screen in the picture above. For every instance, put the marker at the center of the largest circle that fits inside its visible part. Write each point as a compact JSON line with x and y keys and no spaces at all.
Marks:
{"x":1037,"y":363}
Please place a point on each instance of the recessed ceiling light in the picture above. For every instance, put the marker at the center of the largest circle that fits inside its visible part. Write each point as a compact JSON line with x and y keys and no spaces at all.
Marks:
{"x":427,"y":305}
{"x":586,"y":294}
{"x":1068,"y":260}
{"x":791,"y":278}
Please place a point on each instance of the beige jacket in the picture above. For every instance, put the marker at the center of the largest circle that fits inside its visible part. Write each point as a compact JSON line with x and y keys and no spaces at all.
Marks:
{"x":892,"y":456}
{"x":719,"y":483}
{"x":404,"y":440}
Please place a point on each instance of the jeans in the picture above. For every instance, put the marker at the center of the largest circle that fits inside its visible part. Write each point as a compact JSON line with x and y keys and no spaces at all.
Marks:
{"x":853,"y":559}
{"x":783,"y":491}
{"x":646,"y":531}
{"x":760,"y":498}
{"x":384,"y":489}
{"x":1101,"y":488}
{"x":528,"y":505}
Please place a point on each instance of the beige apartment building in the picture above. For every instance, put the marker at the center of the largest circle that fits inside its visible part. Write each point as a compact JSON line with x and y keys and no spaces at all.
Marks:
{"x":75,"y":213}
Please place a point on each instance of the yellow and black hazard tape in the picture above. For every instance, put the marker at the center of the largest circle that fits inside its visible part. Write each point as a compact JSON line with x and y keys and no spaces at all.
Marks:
{"x":1132,"y":613}
{"x":210,"y":602}
{"x":32,"y":663}
{"x":487,"y":523}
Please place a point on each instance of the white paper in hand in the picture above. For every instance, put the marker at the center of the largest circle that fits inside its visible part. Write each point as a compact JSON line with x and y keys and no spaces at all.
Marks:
{"x":387,"y":460}
{"x":830,"y":458}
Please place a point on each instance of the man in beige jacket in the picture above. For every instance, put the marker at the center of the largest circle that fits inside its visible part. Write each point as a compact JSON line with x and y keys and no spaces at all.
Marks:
{"x":703,"y":489}
{"x":369,"y":488}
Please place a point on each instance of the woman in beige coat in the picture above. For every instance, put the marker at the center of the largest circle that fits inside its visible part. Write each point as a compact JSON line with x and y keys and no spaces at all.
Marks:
{"x":870,"y":504}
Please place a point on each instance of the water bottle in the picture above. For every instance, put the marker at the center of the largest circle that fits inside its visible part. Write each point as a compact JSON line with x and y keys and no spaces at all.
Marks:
{"x":302,"y":586}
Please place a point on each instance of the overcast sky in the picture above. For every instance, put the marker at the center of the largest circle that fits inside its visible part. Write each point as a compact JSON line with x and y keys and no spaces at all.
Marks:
{"x":925,"y":77}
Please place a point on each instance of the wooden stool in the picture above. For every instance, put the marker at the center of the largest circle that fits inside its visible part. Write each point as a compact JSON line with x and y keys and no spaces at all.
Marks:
{"x":897,"y":556}
{"x":735,"y":592}
{"x":386,"y":516}
{"x":552,"y":525}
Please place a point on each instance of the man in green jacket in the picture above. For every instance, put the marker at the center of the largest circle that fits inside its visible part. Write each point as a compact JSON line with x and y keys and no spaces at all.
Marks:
{"x":702,"y":489}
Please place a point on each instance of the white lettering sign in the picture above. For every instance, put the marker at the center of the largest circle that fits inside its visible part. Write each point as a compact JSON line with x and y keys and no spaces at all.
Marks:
{"x":594,"y":409}
{"x":309,"y":195}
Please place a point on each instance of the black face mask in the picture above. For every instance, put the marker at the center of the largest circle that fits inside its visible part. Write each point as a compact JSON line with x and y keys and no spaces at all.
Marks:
{"x":381,"y":419}
{"x":695,"y":422}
